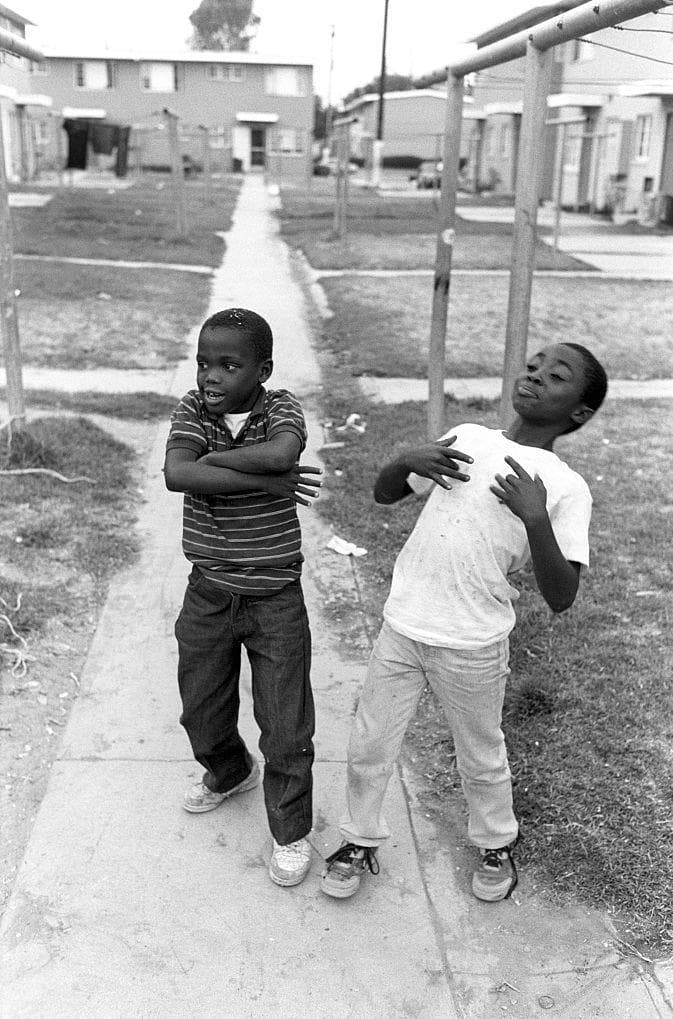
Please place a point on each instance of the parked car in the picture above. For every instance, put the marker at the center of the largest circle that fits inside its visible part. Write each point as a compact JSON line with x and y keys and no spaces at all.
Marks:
{"x":429,"y":174}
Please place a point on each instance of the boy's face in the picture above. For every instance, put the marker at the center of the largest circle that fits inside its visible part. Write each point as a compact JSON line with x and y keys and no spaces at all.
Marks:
{"x":550,"y":390}
{"x":228,"y":372}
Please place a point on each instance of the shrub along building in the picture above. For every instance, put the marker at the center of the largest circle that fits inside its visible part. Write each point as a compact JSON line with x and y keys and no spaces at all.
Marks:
{"x":258,"y":110}
{"x":615,"y":152}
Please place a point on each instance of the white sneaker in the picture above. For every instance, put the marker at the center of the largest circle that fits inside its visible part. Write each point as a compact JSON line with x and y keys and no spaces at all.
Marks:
{"x":290,"y":864}
{"x":200,"y":798}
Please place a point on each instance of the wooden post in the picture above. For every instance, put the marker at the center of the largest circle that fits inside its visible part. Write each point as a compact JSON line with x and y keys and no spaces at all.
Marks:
{"x":558,"y":181}
{"x":444,"y":253}
{"x":478,"y":153}
{"x":171,"y":121}
{"x":60,"y":152}
{"x":9,"y":325}
{"x":531,"y":153}
{"x":339,"y":206}
{"x":207,"y":176}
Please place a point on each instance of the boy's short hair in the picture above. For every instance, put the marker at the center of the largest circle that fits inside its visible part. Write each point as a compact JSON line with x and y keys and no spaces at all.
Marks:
{"x":596,"y":380}
{"x":256,"y":328}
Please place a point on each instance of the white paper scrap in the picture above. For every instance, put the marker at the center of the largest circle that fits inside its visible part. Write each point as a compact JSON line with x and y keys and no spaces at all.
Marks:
{"x":344,"y":547}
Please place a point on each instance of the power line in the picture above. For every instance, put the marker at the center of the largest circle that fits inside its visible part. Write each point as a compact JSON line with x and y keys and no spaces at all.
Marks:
{"x":630,"y":53}
{"x":649,"y":31}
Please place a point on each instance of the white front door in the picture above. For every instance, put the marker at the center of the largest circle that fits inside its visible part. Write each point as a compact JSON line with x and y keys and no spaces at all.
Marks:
{"x":241,"y":145}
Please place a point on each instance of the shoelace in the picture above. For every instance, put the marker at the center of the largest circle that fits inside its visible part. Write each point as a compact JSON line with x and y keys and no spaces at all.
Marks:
{"x":349,"y":850}
{"x":492,"y":858}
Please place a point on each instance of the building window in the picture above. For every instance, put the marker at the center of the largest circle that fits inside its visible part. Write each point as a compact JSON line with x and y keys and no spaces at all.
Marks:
{"x":643,"y":136}
{"x":573,"y":152}
{"x":159,"y":77}
{"x":226,"y":72}
{"x":39,"y":67}
{"x":284,"y":81}
{"x":504,"y":141}
{"x":94,"y":74}
{"x":290,"y":140}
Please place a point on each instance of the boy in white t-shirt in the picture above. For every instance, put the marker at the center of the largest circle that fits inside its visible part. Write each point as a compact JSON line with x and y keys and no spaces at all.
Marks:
{"x":450,"y":607}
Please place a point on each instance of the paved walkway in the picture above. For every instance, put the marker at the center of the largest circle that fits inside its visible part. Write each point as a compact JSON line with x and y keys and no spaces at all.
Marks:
{"x":126,"y":906}
{"x":597,"y":242}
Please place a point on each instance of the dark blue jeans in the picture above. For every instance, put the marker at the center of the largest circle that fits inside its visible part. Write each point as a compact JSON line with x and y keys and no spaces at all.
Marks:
{"x":211,"y":629}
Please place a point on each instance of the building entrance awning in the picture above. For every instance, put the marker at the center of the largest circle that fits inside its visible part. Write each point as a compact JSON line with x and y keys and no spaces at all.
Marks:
{"x":257,"y":118}
{"x":655,"y":89}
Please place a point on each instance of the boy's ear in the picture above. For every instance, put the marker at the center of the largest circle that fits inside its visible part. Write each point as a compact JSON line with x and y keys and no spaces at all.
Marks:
{"x":265,"y":369}
{"x":581,"y":414}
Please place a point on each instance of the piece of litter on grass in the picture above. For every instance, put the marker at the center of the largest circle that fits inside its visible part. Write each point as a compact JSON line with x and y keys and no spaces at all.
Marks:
{"x":333,"y":445}
{"x":645,"y":594}
{"x":353,"y":423}
{"x":344,"y":547}
{"x":102,"y":296}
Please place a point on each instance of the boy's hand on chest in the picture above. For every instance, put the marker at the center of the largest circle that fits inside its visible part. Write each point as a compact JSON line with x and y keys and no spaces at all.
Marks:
{"x":524,"y":495}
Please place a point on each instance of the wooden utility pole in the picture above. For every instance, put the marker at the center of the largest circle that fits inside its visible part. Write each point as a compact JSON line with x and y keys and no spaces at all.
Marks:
{"x":377,"y":149}
{"x":171,"y":121}
{"x":444,"y":252}
{"x":207,"y":176}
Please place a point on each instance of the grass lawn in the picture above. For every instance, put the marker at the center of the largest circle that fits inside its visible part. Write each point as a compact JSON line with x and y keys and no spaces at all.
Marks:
{"x":589,"y":709}
{"x":393,"y":233}
{"x":382,"y":326}
{"x":141,"y":320}
{"x":59,"y":544}
{"x":79,"y":316}
{"x":138,"y":223}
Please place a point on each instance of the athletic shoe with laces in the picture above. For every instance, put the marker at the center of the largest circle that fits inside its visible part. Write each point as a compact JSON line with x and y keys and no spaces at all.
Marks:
{"x":200,"y":798}
{"x":344,"y":869}
{"x":495,"y":877}
{"x":291,"y":863}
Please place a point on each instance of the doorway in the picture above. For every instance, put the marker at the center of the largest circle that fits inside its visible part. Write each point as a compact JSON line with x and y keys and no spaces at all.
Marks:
{"x":258,"y":147}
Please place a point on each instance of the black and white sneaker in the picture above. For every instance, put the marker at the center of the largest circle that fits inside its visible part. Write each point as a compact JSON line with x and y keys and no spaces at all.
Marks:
{"x":495,"y":877}
{"x":344,"y":869}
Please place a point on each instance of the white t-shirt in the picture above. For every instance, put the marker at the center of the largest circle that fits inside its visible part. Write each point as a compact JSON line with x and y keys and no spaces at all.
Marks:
{"x":450,"y":586}
{"x":235,"y":422}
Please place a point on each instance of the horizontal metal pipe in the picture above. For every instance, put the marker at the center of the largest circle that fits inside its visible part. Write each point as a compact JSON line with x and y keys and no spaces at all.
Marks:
{"x":19,"y":47}
{"x":584,"y":20}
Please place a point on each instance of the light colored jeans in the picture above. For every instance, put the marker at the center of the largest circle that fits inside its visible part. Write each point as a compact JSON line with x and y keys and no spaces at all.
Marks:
{"x":470,"y":686}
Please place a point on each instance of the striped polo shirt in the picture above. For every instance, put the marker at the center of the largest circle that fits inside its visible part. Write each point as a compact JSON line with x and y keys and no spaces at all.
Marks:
{"x":246,"y":542}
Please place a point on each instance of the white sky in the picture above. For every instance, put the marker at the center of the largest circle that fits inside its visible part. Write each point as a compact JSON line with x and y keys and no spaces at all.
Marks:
{"x":421,"y":33}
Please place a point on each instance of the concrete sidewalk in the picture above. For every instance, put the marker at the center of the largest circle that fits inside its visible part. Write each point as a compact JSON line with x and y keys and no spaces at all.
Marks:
{"x":125,"y":906}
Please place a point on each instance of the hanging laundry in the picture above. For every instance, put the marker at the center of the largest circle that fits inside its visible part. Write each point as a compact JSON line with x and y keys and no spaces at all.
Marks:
{"x":78,"y":143}
{"x":103,"y":137}
{"x":121,"y":165}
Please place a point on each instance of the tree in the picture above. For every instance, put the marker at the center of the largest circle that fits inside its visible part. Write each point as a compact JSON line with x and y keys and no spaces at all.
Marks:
{"x":223,"y":25}
{"x":393,"y":83}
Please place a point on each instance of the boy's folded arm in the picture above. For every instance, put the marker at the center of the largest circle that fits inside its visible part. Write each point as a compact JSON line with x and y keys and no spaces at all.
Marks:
{"x":185,"y":472}
{"x":557,"y":577}
{"x":276,"y":455}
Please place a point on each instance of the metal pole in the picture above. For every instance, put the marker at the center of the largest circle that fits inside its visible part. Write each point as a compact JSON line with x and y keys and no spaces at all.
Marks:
{"x":171,"y":121}
{"x":9,"y":325}
{"x":531,"y":152}
{"x":444,"y":252}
